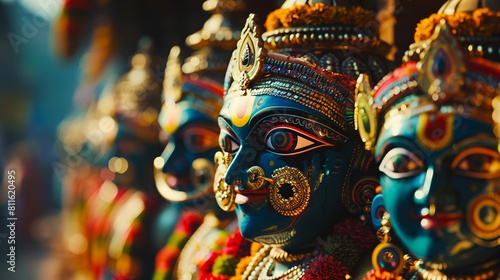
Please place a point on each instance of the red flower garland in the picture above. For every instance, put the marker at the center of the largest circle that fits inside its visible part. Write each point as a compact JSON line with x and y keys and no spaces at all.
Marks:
{"x":325,"y":267}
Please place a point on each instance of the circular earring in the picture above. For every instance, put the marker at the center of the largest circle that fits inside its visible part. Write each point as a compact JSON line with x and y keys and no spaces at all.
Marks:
{"x":486,"y":227}
{"x":388,"y":257}
{"x":224,"y":194}
{"x":290,"y":192}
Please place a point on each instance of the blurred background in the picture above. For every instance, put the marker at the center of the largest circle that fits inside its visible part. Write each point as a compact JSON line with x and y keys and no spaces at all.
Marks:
{"x":55,"y":58}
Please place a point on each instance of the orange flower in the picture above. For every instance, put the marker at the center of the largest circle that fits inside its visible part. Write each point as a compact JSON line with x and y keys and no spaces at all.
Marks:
{"x":481,"y":22}
{"x":316,"y":15}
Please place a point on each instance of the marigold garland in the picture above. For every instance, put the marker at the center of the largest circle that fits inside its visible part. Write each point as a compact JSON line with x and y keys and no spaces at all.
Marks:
{"x":318,"y":14}
{"x":481,"y":22}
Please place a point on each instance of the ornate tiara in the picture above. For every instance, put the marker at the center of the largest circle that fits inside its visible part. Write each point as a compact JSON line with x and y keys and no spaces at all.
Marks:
{"x":444,"y":79}
{"x":254,"y":71}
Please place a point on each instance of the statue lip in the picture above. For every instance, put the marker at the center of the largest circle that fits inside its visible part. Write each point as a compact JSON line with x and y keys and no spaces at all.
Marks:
{"x":244,"y":196}
{"x":439,"y":221}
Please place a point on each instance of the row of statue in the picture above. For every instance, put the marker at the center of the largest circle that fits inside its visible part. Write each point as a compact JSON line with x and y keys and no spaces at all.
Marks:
{"x":298,"y":152}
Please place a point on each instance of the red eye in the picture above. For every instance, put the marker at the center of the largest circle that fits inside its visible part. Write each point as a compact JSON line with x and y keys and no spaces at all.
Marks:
{"x":289,"y":140}
{"x":227,"y":143}
{"x":282,"y":140}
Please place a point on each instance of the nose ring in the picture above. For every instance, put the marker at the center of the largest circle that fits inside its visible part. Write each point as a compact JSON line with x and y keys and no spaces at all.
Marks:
{"x":256,"y":178}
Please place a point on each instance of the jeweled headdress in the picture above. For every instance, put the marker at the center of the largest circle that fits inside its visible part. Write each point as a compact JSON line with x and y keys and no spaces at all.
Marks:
{"x":309,"y":47}
{"x":444,"y":79}
{"x":254,"y":71}
{"x":476,"y":24}
{"x":202,"y":73}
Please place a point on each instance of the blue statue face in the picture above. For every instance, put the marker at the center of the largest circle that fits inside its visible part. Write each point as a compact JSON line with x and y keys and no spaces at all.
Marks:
{"x":302,"y":161}
{"x":187,"y":166}
{"x":441,"y":185}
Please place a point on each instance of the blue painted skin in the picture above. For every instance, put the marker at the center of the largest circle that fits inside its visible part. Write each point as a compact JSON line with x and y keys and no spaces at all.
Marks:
{"x":254,"y":145}
{"x":434,"y":180}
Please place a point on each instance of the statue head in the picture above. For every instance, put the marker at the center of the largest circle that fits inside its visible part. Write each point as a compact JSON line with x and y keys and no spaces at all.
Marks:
{"x":192,"y":100}
{"x":289,"y":150}
{"x":429,"y":124}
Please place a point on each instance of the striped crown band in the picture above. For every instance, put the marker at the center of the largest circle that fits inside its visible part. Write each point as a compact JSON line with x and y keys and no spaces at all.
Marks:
{"x":443,"y":79}
{"x":254,"y":71}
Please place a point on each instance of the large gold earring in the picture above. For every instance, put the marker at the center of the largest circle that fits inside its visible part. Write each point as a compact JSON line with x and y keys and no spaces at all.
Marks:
{"x":224,"y":194}
{"x":290,"y":192}
{"x":388,"y":257}
{"x":365,"y":116}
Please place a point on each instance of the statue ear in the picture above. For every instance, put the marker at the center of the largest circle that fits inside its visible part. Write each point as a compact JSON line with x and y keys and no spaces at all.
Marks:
{"x":377,"y":211}
{"x":365,"y":115}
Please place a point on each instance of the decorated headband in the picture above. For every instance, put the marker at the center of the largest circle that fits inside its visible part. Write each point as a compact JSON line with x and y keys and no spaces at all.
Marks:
{"x":444,"y":79}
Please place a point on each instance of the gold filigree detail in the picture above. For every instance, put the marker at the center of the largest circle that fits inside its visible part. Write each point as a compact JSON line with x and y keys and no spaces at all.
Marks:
{"x":440,"y":78}
{"x":172,"y":83}
{"x":298,"y":191}
{"x":365,"y":115}
{"x":224,"y":194}
{"x":282,"y":256}
{"x":249,"y":55}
